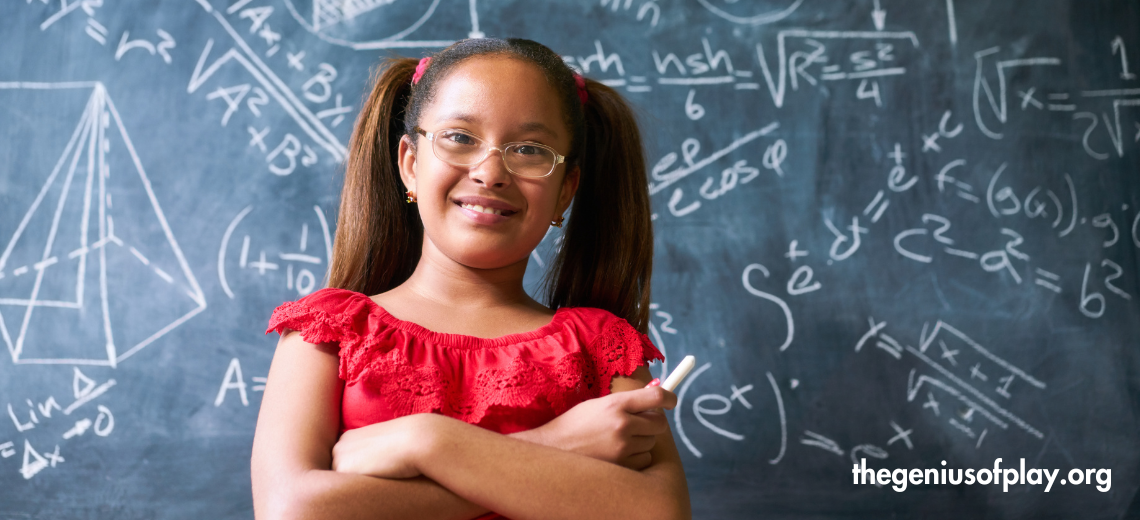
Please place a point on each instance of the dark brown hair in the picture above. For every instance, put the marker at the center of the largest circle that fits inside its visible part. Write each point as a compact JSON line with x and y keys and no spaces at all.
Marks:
{"x":606,"y":256}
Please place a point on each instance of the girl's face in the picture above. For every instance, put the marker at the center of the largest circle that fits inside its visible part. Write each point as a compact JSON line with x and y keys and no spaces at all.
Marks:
{"x":501,"y":100}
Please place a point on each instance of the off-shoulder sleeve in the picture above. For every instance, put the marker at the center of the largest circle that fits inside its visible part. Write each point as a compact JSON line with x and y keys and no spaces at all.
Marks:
{"x":619,"y":349}
{"x":331,"y":316}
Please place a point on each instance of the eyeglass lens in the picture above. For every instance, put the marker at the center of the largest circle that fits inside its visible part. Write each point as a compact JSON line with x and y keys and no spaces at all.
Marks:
{"x":462,"y":149}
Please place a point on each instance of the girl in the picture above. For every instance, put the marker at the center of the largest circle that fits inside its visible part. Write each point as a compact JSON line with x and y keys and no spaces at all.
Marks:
{"x":458,"y":166}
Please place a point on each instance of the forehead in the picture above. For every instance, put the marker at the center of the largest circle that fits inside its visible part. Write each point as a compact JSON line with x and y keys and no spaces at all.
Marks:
{"x":499,"y":93}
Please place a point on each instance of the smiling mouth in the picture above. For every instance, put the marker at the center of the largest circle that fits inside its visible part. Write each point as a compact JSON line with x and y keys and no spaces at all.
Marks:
{"x":481,"y":209}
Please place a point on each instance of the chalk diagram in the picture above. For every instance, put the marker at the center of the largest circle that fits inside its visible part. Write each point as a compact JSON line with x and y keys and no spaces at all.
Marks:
{"x":92,"y":274}
{"x":370,"y":24}
{"x":297,"y":266}
{"x":748,"y":13}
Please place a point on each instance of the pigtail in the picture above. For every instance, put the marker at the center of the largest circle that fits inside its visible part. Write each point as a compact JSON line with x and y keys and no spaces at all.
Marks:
{"x":606,"y":257}
{"x":378,"y":235}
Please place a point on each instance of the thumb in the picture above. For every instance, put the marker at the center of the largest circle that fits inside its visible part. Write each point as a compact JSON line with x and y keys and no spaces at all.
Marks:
{"x":649,"y":398}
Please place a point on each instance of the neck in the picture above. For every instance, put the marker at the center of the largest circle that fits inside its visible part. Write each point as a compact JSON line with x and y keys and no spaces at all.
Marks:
{"x":441,"y":280}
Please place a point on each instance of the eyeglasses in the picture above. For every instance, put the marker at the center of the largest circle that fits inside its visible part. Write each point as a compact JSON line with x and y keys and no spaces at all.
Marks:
{"x":459,"y":148}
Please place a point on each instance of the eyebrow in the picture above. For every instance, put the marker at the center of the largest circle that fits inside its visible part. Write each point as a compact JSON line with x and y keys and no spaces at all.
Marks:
{"x":533,"y":126}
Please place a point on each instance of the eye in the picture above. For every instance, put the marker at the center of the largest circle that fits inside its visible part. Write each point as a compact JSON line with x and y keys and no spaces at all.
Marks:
{"x":526,"y":149}
{"x":459,"y":138}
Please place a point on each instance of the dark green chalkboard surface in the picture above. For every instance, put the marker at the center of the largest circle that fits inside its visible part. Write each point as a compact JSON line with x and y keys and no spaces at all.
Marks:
{"x":904,"y":232}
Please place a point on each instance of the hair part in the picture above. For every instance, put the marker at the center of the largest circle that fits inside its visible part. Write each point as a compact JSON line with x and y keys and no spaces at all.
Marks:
{"x":606,"y":256}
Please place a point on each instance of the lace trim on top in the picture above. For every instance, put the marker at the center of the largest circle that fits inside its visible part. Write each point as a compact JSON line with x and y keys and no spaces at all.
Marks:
{"x":370,"y":356}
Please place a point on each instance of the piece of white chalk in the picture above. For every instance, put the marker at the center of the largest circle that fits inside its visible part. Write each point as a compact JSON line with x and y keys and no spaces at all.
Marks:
{"x":679,"y":373}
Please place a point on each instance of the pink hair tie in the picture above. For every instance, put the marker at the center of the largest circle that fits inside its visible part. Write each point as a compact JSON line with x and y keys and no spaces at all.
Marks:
{"x":421,"y":67}
{"x":581,"y":83}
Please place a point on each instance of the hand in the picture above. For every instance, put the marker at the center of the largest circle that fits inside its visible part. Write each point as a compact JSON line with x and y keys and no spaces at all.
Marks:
{"x":386,"y":450}
{"x":620,"y":428}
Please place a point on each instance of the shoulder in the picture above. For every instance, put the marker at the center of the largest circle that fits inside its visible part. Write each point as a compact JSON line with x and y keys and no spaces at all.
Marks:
{"x":616,"y":347}
{"x":348,"y":320}
{"x":591,"y":320}
{"x":330,"y":309}
{"x":332,"y":298}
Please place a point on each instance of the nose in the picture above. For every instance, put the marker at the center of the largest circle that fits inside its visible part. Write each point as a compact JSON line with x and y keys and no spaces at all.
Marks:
{"x":492,"y":171}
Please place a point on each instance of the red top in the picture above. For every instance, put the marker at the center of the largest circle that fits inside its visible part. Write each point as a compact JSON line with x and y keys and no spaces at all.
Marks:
{"x":392,"y":368}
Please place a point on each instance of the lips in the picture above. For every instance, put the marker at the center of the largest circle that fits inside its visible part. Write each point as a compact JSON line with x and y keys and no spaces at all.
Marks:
{"x":481,"y":218}
{"x":481,"y":209}
{"x":485,"y":205}
{"x":485,"y":210}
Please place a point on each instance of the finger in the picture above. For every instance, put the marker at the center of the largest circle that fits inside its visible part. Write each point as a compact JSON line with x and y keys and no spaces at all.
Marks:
{"x":636,"y":401}
{"x":337,"y":463}
{"x":640,"y":444}
{"x":647,"y":423}
{"x":637,"y":462}
{"x":654,"y":414}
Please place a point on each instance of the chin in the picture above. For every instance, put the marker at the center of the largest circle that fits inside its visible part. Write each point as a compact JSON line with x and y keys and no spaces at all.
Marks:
{"x":485,"y":260}
{"x":485,"y":253}
{"x":482,"y":250}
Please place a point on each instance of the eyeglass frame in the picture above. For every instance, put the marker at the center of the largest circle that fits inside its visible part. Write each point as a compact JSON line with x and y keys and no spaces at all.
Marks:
{"x":558,"y":158}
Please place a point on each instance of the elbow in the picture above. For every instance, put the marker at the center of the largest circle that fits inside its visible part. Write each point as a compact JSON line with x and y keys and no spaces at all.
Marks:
{"x":284,"y":499}
{"x":676,"y":508}
{"x":280,"y":507}
{"x":676,"y":501}
{"x":668,"y":502}
{"x":277,"y":504}
{"x":284,"y":488}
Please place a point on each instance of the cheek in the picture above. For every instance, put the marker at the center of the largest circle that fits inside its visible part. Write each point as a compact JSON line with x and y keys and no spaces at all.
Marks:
{"x":543,"y":203}
{"x":434,"y":182}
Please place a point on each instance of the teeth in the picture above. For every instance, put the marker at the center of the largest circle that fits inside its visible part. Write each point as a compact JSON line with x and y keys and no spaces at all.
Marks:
{"x":481,"y":209}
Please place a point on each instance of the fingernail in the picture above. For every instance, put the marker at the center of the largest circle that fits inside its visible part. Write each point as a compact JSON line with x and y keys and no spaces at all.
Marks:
{"x":656,"y":382}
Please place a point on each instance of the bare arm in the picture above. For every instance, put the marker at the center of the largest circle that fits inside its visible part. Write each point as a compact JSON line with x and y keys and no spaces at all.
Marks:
{"x":523,"y":480}
{"x":298,"y":425}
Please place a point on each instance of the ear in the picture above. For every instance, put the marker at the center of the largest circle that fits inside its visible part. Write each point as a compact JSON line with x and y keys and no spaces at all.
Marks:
{"x":568,"y":189}
{"x":407,"y":163}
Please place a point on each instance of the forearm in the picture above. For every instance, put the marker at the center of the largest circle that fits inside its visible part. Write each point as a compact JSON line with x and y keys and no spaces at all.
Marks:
{"x":323,"y":494}
{"x":524,"y":480}
{"x":297,"y":429}
{"x":329,"y":494}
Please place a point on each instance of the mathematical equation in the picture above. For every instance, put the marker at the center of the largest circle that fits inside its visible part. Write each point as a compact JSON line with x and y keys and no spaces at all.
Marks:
{"x":297,"y":266}
{"x":37,"y":416}
{"x":949,"y":182}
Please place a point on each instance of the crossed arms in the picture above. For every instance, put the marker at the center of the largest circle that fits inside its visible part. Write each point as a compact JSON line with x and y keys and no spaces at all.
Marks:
{"x":611,"y":457}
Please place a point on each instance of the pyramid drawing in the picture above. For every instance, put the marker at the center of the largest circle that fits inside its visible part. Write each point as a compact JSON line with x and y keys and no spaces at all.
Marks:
{"x":91,"y":273}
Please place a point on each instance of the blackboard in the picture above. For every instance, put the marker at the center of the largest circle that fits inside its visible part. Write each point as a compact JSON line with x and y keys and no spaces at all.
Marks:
{"x":899,"y":231}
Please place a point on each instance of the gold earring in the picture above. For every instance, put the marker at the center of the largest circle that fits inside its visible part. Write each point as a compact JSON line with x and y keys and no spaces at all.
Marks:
{"x":557,"y":222}
{"x":411,"y":197}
